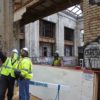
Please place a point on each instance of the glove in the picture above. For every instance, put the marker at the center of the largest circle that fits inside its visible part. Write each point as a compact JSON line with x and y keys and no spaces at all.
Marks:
{"x":21,"y":77}
{"x":17,"y":73}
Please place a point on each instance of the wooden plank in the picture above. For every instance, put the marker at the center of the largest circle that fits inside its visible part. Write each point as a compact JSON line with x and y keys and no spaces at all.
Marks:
{"x":16,"y":96}
{"x":98,"y":92}
{"x":34,"y":98}
{"x":95,"y":86}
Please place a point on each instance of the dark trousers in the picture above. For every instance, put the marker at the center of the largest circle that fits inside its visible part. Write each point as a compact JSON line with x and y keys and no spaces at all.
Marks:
{"x":6,"y":83}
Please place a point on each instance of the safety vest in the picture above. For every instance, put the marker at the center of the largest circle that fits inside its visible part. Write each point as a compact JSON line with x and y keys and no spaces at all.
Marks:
{"x":14,"y":68}
{"x":57,"y":62}
{"x":14,"y":58}
{"x":25,"y":66}
{"x":14,"y":62}
{"x":6,"y":67}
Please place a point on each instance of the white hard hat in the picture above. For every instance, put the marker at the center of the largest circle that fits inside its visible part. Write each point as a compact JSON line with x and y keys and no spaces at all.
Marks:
{"x":57,"y":51}
{"x":15,"y":50}
{"x":25,"y":49}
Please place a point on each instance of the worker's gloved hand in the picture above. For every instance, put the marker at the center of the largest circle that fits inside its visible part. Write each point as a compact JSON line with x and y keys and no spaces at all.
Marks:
{"x":21,"y":77}
{"x":17,"y":73}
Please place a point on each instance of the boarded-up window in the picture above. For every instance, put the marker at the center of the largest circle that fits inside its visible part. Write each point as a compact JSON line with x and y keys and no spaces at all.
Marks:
{"x":68,"y":34}
{"x":47,"y":29}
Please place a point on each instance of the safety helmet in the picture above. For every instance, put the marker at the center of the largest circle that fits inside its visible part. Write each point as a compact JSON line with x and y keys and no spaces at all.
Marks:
{"x":57,"y":51}
{"x":25,"y":49}
{"x":15,"y":50}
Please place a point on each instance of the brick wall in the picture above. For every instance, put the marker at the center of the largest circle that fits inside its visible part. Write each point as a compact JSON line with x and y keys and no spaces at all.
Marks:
{"x":91,"y":21}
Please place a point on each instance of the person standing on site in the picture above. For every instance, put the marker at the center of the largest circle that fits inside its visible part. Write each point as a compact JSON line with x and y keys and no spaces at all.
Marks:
{"x":7,"y":79}
{"x":14,"y":56}
{"x":24,"y":74}
{"x":14,"y":62}
{"x":56,"y":60}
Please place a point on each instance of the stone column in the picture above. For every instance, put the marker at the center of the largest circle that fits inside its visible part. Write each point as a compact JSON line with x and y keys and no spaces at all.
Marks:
{"x":60,"y":35}
{"x":32,"y":38}
{"x":91,"y":21}
{"x":1,"y":22}
{"x":76,"y":41}
{"x":77,"y":34}
{"x":6,"y":24}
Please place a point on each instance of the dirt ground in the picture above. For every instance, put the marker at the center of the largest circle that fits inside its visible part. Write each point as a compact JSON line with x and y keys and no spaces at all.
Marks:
{"x":16,"y":95}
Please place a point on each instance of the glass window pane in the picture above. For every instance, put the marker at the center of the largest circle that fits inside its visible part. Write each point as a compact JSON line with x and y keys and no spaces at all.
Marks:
{"x":79,"y":12}
{"x":71,"y":8}
{"x":75,"y":10}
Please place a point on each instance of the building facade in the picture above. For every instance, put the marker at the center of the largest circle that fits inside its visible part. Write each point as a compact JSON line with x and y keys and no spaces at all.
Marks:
{"x":43,"y":37}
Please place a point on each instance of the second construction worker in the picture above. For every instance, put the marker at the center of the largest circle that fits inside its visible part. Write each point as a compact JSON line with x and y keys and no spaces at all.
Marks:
{"x":24,"y":74}
{"x":56,"y":60}
{"x":7,"y":79}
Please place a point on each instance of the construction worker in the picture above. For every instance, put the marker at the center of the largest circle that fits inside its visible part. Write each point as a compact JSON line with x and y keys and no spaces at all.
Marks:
{"x":14,"y":56}
{"x":7,"y":79}
{"x":24,"y":72}
{"x":56,"y":60}
{"x":14,"y":62}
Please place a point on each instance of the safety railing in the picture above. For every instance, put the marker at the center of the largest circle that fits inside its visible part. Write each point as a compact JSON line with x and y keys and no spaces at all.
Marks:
{"x":58,"y":87}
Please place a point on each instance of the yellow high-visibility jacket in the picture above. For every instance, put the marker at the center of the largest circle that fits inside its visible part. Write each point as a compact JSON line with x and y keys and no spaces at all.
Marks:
{"x":57,"y":62}
{"x":25,"y":66}
{"x":6,"y":67}
{"x":14,"y":58}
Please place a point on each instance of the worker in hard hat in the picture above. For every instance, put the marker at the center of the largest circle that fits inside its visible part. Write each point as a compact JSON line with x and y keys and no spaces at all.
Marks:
{"x":14,"y":61}
{"x":14,"y":56}
{"x":56,"y":60}
{"x":7,"y":79}
{"x":24,"y":72}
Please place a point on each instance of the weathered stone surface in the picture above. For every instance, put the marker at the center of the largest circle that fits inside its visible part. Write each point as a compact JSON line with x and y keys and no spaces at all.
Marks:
{"x":6,"y":24}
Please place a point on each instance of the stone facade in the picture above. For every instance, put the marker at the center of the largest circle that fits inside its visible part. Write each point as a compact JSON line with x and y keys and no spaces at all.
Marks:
{"x":61,"y":20}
